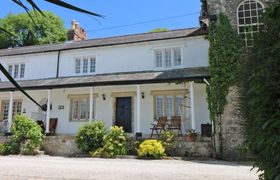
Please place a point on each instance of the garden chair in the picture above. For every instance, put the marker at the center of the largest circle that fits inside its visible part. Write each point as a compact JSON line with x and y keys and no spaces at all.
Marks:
{"x":160,"y":125}
{"x":175,"y":124}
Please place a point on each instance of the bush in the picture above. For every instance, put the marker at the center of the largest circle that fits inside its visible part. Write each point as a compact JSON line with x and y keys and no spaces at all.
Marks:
{"x":4,"y":148}
{"x":114,"y":144}
{"x":90,"y":136}
{"x":167,"y":139}
{"x":27,"y":134}
{"x":151,"y":149}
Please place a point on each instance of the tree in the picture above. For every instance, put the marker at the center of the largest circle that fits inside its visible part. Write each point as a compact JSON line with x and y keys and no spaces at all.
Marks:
{"x":159,"y":30}
{"x":261,"y":74}
{"x":45,"y":29}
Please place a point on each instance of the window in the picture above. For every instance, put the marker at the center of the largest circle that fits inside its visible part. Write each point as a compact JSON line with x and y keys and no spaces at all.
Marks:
{"x":92,"y":65}
{"x":85,"y":65}
{"x":179,"y":101}
{"x":158,"y":58}
{"x":177,"y":57}
{"x":22,"y":69}
{"x":16,"y":70}
{"x":79,"y":107}
{"x":248,"y":20}
{"x":168,"y":103}
{"x":17,"y":106}
{"x":168,"y":58}
{"x":159,"y":106}
{"x":77,"y":66}
{"x":169,"y":106}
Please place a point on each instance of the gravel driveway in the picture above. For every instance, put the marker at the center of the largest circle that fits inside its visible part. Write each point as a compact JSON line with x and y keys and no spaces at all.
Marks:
{"x":45,"y":167}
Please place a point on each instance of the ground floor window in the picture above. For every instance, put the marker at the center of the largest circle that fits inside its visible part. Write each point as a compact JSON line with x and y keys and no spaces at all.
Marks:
{"x":80,"y":107}
{"x":168,"y":103}
{"x":17,"y":107}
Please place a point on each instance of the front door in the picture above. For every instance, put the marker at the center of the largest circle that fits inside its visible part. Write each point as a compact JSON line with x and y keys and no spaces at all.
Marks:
{"x":123,"y":113}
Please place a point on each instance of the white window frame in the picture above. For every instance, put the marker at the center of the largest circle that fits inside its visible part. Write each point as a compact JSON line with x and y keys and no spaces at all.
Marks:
{"x":250,"y":17}
{"x":84,"y":69}
{"x":164,"y":64}
{"x":17,"y":73}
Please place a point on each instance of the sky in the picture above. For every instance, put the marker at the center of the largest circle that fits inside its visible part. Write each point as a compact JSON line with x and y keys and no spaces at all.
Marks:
{"x":122,"y":16}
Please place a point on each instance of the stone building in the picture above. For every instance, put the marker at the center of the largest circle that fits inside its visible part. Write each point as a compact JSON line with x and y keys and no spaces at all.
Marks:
{"x":244,"y":15}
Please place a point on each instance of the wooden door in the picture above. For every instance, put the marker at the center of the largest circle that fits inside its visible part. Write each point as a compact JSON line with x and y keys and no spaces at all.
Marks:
{"x":123,"y":113}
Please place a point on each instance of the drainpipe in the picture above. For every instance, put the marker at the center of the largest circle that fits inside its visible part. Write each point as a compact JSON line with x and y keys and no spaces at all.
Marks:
{"x":57,"y":64}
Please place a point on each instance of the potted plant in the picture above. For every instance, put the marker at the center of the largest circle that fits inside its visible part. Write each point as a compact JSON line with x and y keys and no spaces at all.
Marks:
{"x":191,"y":135}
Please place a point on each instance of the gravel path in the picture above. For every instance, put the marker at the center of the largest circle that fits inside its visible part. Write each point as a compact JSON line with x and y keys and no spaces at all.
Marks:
{"x":45,"y":167}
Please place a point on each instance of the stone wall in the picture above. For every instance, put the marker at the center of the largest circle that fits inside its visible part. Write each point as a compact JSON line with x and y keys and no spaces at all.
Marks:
{"x":62,"y":145}
{"x":233,"y":126}
{"x":65,"y":146}
{"x":194,"y":149}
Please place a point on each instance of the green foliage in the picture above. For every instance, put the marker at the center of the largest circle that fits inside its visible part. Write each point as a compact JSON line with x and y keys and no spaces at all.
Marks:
{"x":225,"y":56}
{"x":27,"y":134}
{"x":159,"y":30}
{"x":4,"y":148}
{"x":151,"y":149}
{"x":167,"y":139}
{"x":44,"y":30}
{"x":90,"y":136}
{"x":261,"y":74}
{"x":114,"y":144}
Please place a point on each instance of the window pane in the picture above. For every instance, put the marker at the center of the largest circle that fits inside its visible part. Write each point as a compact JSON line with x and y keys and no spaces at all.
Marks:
{"x":18,"y":107}
{"x":5,"y":109}
{"x":177,"y":57}
{"x":10,"y":69}
{"x":167,"y":56}
{"x":83,"y":109}
{"x":85,"y":65}
{"x":158,"y":58}
{"x":75,"y":107}
{"x":78,"y":66}
{"x":169,"y":106}
{"x":16,"y":71}
{"x":22,"y":69}
{"x":92,"y":65}
{"x":178,"y":105}
{"x":159,"y":106}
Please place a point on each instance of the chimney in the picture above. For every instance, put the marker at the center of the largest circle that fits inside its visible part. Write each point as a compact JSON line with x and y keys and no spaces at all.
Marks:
{"x":76,"y":33}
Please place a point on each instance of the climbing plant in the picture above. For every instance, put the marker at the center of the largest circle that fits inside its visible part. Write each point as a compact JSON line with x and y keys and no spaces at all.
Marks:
{"x":225,"y":56}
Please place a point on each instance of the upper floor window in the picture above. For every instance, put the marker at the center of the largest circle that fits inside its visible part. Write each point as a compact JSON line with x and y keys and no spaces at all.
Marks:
{"x":16,"y":70}
{"x":85,"y":65}
{"x":248,"y":20}
{"x":167,"y":58}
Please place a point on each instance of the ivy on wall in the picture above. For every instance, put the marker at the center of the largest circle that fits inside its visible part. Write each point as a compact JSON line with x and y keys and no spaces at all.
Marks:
{"x":225,"y":56}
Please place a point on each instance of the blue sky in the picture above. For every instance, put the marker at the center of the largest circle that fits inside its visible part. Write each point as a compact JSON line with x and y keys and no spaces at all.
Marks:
{"x":185,"y":14}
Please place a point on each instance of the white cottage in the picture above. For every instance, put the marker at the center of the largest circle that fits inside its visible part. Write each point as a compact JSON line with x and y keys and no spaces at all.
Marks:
{"x":128,"y":81}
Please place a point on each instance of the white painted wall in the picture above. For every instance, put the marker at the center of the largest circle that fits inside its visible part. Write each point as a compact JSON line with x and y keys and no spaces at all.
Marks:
{"x":122,"y":58}
{"x":104,"y":108}
{"x":37,"y":66}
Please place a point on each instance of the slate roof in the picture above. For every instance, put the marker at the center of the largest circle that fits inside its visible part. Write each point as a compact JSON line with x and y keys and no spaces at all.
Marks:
{"x":112,"y":79}
{"x":119,"y":40}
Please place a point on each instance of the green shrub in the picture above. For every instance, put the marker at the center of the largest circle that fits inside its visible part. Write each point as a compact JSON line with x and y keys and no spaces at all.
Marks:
{"x":167,"y":139}
{"x":114,"y":144}
{"x":151,"y":149}
{"x":90,"y":136}
{"x":132,"y":146}
{"x":26,"y":134}
{"x":4,"y":148}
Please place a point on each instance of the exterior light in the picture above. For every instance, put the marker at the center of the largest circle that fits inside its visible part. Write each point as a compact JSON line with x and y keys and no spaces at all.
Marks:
{"x":104,"y":97}
{"x":143,"y":95}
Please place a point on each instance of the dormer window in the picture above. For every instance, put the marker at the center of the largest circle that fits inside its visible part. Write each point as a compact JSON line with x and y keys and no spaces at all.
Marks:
{"x":168,"y":58}
{"x":85,"y":65}
{"x":16,"y":70}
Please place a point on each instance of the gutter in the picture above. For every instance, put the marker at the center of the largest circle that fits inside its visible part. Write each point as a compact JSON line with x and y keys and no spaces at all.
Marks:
{"x":57,"y":64}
